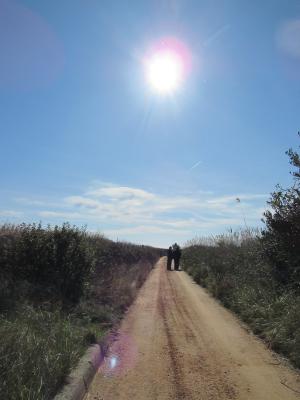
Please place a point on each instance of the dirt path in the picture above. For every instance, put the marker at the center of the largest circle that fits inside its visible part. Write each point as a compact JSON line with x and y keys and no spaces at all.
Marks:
{"x":176,"y":342}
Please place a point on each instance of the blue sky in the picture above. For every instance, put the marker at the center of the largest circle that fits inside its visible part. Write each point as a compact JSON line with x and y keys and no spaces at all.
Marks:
{"x":84,"y":139}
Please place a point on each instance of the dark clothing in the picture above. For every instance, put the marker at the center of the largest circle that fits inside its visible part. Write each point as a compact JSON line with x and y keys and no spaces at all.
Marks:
{"x":176,"y":262}
{"x":176,"y":256}
{"x":170,"y":257}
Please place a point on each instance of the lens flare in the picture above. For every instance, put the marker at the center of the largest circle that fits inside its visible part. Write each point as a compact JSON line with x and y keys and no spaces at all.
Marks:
{"x":122,"y":358}
{"x":113,"y":361}
{"x":166,"y":65}
{"x":165,"y":72}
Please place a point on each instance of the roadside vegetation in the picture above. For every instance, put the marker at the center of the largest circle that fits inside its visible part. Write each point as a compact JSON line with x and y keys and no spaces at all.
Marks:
{"x":61,"y":289}
{"x":257,"y":273}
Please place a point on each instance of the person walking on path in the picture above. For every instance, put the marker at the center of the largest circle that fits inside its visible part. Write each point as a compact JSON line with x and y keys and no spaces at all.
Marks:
{"x":170,"y":258}
{"x":176,"y":255}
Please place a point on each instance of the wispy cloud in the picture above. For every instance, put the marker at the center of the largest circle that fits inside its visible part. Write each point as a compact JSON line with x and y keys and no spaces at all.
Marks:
{"x":120,"y":192}
{"x":60,"y":214}
{"x":132,"y":212}
{"x":142,"y":229}
{"x":10,"y":213}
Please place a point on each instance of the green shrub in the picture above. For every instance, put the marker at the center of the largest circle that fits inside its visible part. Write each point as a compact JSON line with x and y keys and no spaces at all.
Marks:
{"x":49,"y":263}
{"x":281,"y":236}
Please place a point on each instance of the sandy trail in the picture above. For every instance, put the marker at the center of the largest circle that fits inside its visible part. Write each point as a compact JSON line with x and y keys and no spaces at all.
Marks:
{"x":176,"y":342}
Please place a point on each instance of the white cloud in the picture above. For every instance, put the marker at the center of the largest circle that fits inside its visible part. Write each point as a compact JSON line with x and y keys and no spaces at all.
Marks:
{"x":120,"y":192}
{"x":10,"y":213}
{"x":59,"y":214}
{"x":141,"y":229}
{"x":134,"y":213}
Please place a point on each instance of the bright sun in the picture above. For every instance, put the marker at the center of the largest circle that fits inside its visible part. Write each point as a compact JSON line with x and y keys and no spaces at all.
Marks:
{"x":166,"y":65}
{"x":165,"y":71}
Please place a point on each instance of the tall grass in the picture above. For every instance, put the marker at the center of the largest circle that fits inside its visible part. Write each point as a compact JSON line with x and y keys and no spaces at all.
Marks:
{"x":38,"y":348}
{"x":234,"y":269}
{"x":61,"y":289}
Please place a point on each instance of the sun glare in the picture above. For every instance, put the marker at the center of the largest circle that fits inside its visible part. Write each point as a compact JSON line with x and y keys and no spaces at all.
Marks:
{"x":166,"y":66}
{"x":165,"y":72}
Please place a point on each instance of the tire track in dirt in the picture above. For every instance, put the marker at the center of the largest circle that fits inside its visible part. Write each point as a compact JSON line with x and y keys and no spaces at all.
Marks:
{"x":215,"y":380}
{"x":181,"y":391}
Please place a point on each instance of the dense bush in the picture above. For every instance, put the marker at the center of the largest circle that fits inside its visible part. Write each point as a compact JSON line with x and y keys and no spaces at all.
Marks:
{"x":113,"y":282}
{"x":281,"y":237}
{"x":228,"y":263}
{"x":59,"y":264}
{"x":47,"y":263}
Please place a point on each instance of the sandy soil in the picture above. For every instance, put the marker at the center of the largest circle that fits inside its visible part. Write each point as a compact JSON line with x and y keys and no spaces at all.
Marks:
{"x":176,"y":342}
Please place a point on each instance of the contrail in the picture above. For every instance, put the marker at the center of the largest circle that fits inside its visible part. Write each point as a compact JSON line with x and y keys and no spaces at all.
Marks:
{"x":216,"y":34}
{"x":195,"y":165}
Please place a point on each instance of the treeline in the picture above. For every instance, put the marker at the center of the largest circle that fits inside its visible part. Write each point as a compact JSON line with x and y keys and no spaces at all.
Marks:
{"x":61,"y":289}
{"x":257,"y":273}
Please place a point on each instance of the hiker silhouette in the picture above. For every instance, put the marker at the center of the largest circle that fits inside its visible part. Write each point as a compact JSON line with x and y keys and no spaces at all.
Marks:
{"x":176,"y":256}
{"x":174,"y":253}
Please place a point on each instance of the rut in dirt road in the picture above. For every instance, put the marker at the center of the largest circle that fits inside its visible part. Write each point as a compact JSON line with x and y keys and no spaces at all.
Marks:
{"x":176,"y":342}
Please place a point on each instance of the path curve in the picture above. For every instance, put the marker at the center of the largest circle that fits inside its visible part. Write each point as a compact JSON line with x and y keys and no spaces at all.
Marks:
{"x":177,"y":342}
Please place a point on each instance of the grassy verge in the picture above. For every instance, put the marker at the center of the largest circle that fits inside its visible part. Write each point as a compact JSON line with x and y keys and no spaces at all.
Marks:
{"x":233,"y":268}
{"x":61,"y":289}
{"x":38,"y":348}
